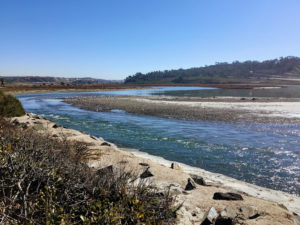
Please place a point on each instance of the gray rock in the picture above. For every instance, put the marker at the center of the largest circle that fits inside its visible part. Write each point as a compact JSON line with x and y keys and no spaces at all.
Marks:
{"x":190,"y":185}
{"x":175,"y":190}
{"x":198,"y":179}
{"x":228,"y":212}
{"x":229,"y":196}
{"x":34,"y":116}
{"x":56,"y":126}
{"x":108,"y":171}
{"x":210,"y":216}
{"x":95,"y":138}
{"x":296,"y":218}
{"x":105,"y":144}
{"x":248,"y":211}
{"x":176,"y":166}
{"x":147,"y":173}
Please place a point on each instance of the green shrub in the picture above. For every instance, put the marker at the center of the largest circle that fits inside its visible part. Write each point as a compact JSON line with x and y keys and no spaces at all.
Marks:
{"x":10,"y":106}
{"x":46,"y":181}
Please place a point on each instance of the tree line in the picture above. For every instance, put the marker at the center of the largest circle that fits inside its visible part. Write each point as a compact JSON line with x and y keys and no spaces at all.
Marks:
{"x":222,"y":71}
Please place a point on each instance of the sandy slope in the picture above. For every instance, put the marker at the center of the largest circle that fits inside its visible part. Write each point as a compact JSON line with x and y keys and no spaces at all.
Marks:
{"x":273,"y":207}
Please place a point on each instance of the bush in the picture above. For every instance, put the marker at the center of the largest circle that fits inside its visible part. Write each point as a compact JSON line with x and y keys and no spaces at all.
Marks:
{"x":46,"y":181}
{"x":10,"y":106}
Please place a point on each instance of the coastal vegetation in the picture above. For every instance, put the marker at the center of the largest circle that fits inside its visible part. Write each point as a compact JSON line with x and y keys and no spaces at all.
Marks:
{"x":10,"y":106}
{"x":47,"y":181}
{"x":270,"y":71}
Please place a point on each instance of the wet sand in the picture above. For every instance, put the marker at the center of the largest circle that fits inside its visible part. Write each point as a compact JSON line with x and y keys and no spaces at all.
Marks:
{"x":230,"y":109}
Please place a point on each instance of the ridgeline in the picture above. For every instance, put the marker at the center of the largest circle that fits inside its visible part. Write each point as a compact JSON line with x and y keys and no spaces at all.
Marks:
{"x":274,"y":71}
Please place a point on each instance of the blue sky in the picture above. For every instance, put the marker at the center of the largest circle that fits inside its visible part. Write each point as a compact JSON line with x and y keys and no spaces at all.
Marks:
{"x":115,"y":38}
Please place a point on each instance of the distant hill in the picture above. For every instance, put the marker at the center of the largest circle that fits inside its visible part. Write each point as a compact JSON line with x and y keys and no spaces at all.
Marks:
{"x":287,"y":68}
{"x":56,"y":80}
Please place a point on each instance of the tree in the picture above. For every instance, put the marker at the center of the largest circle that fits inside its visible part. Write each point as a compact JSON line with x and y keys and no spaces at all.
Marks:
{"x":2,"y":82}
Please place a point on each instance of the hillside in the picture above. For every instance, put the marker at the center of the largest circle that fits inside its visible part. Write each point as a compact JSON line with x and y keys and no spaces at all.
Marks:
{"x":54,"y":80}
{"x":272,"y":71}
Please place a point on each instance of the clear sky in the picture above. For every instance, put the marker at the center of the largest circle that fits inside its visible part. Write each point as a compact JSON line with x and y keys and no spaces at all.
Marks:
{"x":115,"y":38}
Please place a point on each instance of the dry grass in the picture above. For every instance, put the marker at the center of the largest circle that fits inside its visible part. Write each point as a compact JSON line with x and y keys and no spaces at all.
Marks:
{"x":46,"y":181}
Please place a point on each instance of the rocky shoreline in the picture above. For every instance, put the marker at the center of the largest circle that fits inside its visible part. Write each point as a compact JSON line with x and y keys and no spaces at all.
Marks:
{"x":249,"y":110}
{"x":205,"y":198}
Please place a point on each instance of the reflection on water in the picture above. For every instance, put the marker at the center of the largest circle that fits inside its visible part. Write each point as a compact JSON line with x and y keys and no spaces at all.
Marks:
{"x":264,"y":154}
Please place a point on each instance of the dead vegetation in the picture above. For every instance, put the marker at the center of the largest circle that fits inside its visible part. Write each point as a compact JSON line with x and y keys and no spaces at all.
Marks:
{"x":46,"y":181}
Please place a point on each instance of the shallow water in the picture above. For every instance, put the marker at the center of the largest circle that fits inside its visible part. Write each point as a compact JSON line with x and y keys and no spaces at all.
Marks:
{"x":263,"y":154}
{"x":292,"y":91}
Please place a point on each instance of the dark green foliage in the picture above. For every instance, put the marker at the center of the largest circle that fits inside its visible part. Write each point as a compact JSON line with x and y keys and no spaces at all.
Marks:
{"x":223,"y":72}
{"x":46,"y":181}
{"x":178,"y":80}
{"x":2,"y":82}
{"x":10,"y":106}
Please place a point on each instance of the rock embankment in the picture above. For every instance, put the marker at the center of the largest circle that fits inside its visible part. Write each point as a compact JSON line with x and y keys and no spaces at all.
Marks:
{"x":205,"y":198}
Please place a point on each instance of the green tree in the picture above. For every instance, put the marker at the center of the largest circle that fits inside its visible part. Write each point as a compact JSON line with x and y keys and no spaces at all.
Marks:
{"x":2,"y":82}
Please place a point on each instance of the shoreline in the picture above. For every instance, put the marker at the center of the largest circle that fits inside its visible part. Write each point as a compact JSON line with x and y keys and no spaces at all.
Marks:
{"x":224,"y":109}
{"x":67,"y":90}
{"x":33,"y":89}
{"x":271,"y":205}
{"x":217,"y":179}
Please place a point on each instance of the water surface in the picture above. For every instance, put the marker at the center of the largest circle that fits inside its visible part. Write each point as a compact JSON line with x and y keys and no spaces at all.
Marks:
{"x":262,"y":154}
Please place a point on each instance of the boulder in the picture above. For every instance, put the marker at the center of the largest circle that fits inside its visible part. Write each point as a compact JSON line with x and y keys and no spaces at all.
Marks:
{"x":34,"y":116}
{"x":56,"y":126}
{"x":210,"y":216}
{"x":198,"y":179}
{"x":229,"y":196}
{"x":248,"y":211}
{"x":93,"y":137}
{"x":108,"y":171}
{"x":147,"y":173}
{"x":190,"y":185}
{"x":228,"y":212}
{"x":175,"y":189}
{"x":105,"y":144}
{"x":176,"y":166}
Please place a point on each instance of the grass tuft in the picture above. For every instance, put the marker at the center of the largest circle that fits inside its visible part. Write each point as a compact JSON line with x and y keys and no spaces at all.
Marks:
{"x":10,"y":106}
